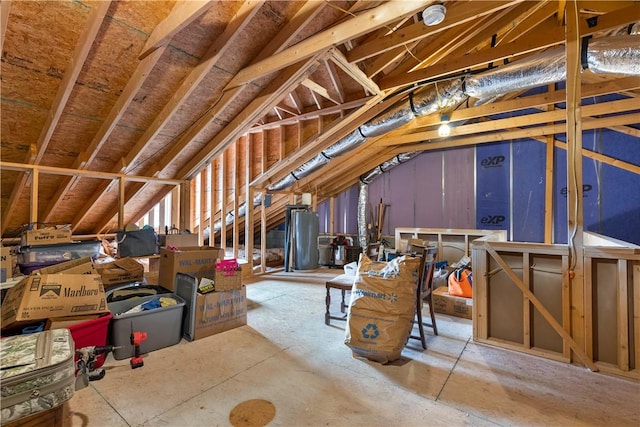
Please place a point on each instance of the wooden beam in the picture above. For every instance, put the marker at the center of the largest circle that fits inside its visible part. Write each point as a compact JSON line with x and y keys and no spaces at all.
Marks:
{"x":500,"y":124}
{"x":335,"y":131}
{"x":5,"y":10}
{"x":269,"y":97}
{"x":310,"y":115}
{"x":575,"y":202}
{"x":76,"y":62}
{"x":315,"y":87}
{"x":33,"y":200}
{"x":335,"y":80}
{"x":458,"y":13}
{"x":548,"y":188}
{"x":545,"y":37}
{"x":220,"y":46}
{"x":54,"y":170}
{"x":355,"y":73}
{"x":74,"y":66}
{"x":351,"y":28}
{"x":182,"y":14}
{"x":138,"y":77}
{"x":519,"y":133}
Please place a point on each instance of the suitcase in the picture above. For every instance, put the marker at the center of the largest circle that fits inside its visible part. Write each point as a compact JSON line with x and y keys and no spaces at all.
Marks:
{"x":37,"y":372}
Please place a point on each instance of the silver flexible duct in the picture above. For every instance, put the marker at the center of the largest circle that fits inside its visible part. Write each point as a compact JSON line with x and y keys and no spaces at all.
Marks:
{"x":537,"y":70}
{"x":620,"y":55}
{"x":363,"y":202}
{"x":615,"y":55}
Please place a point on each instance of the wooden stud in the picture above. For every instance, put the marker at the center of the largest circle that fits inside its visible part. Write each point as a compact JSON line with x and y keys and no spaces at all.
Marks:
{"x":526,"y":304}
{"x":182,"y":14}
{"x":223,"y":205}
{"x":588,"y":306}
{"x":622,"y":318}
{"x":249,"y":222}
{"x":236,"y":197}
{"x":574,"y":175}
{"x":121,"y":201}
{"x":203,"y":205}
{"x":263,"y":235}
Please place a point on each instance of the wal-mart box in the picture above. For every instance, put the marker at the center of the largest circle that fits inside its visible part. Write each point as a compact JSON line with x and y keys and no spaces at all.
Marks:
{"x":6,"y":263}
{"x":210,"y":313}
{"x":45,"y":236}
{"x":53,"y":295}
{"x":196,"y":261}
{"x":449,"y":304}
{"x":82,"y":265}
{"x":123,"y":270}
{"x":178,"y":240}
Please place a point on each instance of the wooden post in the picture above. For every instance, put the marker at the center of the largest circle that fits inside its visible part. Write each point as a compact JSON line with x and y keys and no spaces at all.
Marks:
{"x":184,"y":219}
{"x":236,"y":196}
{"x":548,"y":188}
{"x":263,"y":235}
{"x":212,"y":204}
{"x":248,"y":219}
{"x":175,"y":205}
{"x":33,"y":206}
{"x":121,"y":200}
{"x":574,"y":175}
{"x":223,"y":196}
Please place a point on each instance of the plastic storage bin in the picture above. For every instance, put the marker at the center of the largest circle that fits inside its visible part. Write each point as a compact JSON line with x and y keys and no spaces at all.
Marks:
{"x":162,"y":325}
{"x":124,"y":291}
{"x":90,"y":333}
{"x":33,"y":257}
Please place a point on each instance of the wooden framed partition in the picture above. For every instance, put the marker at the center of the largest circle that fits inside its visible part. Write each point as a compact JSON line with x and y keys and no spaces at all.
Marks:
{"x":522,"y":301}
{"x":453,"y":243}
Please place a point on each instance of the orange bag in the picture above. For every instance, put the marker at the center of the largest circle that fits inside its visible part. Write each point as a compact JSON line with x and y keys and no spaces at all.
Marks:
{"x":461,"y":282}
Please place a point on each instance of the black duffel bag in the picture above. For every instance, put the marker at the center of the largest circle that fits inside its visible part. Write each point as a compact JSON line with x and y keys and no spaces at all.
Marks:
{"x":137,"y":243}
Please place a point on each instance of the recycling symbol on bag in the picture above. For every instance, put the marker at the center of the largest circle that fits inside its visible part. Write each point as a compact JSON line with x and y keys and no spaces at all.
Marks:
{"x":370,"y":331}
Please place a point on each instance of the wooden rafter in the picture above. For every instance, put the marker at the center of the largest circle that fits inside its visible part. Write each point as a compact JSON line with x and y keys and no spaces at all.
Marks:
{"x":338,"y":34}
{"x":219,"y":47}
{"x":108,"y":125}
{"x":76,"y":62}
{"x":5,"y":10}
{"x":457,"y":14}
{"x":320,"y":90}
{"x":182,"y":14}
{"x":335,"y":80}
{"x":544,"y":38}
{"x":526,"y":120}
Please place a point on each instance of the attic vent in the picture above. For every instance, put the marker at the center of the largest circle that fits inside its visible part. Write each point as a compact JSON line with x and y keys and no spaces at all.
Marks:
{"x":434,"y":14}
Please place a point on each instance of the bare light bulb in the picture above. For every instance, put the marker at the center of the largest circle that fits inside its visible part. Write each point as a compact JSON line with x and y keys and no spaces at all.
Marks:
{"x":444,"y":129}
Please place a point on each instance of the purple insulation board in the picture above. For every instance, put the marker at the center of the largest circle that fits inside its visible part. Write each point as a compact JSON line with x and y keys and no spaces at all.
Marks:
{"x":459,"y":205}
{"x":528,"y":190}
{"x":493,"y":187}
{"x":428,"y":200}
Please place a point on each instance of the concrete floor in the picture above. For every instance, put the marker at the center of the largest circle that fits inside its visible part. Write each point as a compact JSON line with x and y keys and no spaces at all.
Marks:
{"x":286,"y":355}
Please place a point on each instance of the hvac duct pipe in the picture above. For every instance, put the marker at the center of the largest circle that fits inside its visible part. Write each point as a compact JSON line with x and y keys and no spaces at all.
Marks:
{"x":363,"y":193}
{"x":363,"y":202}
{"x":617,"y":55}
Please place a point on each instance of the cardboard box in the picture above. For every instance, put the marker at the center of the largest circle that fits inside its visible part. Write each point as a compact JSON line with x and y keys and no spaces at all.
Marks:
{"x":53,"y":295}
{"x":178,"y":240}
{"x":6,"y":263}
{"x":196,"y":261}
{"x":449,"y":304}
{"x":123,"y":270}
{"x":45,"y":236}
{"x":75,"y":266}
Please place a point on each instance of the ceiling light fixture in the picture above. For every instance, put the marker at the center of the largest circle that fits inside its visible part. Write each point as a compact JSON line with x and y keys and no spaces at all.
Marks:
{"x":444,"y":130}
{"x":434,"y":14}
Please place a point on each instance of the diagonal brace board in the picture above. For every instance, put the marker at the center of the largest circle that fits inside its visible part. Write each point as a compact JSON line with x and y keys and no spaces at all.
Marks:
{"x":543,"y":311}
